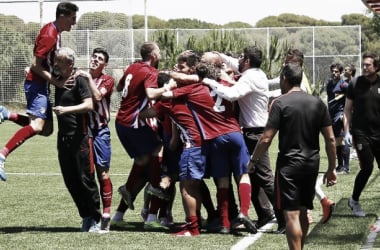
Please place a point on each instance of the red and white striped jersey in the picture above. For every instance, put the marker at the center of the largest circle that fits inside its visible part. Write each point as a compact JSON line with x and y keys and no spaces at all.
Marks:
{"x":100,"y":116}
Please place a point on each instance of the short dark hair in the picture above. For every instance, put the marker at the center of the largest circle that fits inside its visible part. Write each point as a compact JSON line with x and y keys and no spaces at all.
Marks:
{"x":147,"y":49}
{"x":65,"y":8}
{"x":255,"y":56}
{"x":102,"y":51}
{"x":375,"y":57}
{"x":191,"y":58}
{"x":295,"y":55}
{"x":353,"y":69}
{"x":207,"y":70}
{"x":293,"y":73}
{"x":336,"y":65}
{"x":162,"y":79}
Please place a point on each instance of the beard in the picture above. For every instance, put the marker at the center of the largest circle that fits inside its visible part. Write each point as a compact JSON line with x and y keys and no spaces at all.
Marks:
{"x":155,"y":64}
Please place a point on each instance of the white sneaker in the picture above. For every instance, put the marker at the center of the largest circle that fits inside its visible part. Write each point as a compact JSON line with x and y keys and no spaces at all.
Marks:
{"x":3,"y":176}
{"x":96,"y":228}
{"x":356,"y":208}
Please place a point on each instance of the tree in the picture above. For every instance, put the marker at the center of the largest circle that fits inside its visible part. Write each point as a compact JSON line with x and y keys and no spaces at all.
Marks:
{"x":370,"y":35}
{"x":291,"y":20}
{"x":187,"y":23}
{"x":237,"y":25}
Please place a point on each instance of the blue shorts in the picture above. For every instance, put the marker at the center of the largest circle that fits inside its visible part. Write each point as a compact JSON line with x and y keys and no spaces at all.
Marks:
{"x":137,"y":141}
{"x":192,"y":165}
{"x":228,"y":154}
{"x":37,"y":100}
{"x":102,"y":147}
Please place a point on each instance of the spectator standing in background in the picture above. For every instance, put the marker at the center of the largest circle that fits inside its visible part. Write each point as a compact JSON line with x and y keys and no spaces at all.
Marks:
{"x":336,"y":95}
{"x":348,"y":76}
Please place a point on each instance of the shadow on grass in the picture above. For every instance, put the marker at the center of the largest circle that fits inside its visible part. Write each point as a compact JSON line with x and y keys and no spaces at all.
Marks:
{"x":139,"y":227}
{"x":342,"y":229}
{"x":16,"y":229}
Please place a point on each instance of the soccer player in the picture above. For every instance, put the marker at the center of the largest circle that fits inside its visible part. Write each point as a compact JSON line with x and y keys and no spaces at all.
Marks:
{"x":37,"y":83}
{"x":192,"y":163}
{"x":222,"y":132}
{"x":101,"y":85}
{"x":250,"y":92}
{"x":142,"y":143}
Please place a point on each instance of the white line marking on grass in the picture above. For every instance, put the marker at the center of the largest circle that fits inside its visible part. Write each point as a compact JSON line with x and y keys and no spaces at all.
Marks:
{"x":252,"y":238}
{"x":372,"y":235}
{"x":35,"y":174}
{"x":48,"y":174}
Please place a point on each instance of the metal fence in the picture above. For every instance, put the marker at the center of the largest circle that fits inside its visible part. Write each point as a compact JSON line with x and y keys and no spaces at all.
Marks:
{"x":322,"y":46}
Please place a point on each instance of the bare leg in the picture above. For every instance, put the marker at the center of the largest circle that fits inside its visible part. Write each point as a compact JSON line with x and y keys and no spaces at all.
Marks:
{"x":296,"y":228}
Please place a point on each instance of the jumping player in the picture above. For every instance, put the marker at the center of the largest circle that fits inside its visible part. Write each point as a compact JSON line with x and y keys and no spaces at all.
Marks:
{"x":37,"y":83}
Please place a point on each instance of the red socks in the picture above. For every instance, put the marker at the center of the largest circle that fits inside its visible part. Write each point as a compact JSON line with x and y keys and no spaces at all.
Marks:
{"x":245,"y":197}
{"x":18,"y":138}
{"x":106,"y":194}
{"x":222,"y":197}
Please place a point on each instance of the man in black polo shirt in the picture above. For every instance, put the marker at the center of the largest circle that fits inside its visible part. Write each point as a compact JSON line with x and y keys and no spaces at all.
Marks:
{"x":74,"y":142}
{"x":299,"y":118}
{"x":361,"y":112}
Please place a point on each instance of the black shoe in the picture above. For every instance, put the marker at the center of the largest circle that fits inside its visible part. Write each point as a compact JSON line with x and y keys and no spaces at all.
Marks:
{"x":341,"y":170}
{"x":218,"y":228}
{"x":213,"y":225}
{"x":262,"y":222}
{"x":280,"y":230}
{"x":127,"y":197}
{"x":158,"y":192}
{"x":249,"y":225}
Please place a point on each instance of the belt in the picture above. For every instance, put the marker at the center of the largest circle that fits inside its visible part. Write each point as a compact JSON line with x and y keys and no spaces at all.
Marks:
{"x":256,"y":130}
